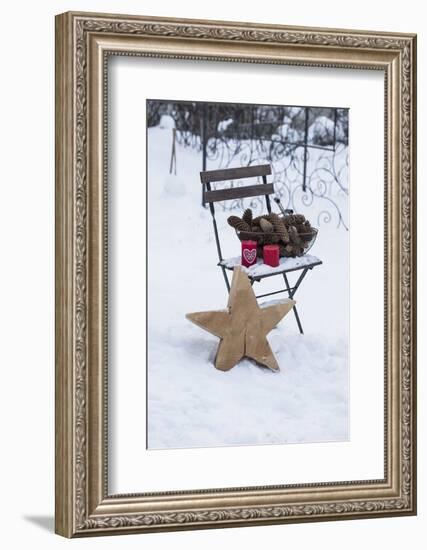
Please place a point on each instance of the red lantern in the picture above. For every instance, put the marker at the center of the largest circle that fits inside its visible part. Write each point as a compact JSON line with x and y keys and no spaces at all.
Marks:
{"x":248,"y":253}
{"x":271,"y":254}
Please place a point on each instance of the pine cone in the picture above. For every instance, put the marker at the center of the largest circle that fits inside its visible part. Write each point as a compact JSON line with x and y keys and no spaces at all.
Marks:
{"x":269,"y":238}
{"x":293,"y":235}
{"x":249,"y":236}
{"x":288,"y":220}
{"x":294,"y":219}
{"x":306,"y":236}
{"x":268,"y":217}
{"x":280,"y":228}
{"x":266,"y":226}
{"x":238,"y":224}
{"x":287,"y":251}
{"x":247,"y":216}
{"x":305,"y":233}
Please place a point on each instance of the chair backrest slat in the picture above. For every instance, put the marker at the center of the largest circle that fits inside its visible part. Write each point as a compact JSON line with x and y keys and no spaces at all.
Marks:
{"x":211,"y":196}
{"x":238,"y":192}
{"x":235,"y":173}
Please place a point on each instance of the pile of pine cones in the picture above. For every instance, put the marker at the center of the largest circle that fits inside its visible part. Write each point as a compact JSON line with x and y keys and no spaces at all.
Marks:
{"x":293,"y":233}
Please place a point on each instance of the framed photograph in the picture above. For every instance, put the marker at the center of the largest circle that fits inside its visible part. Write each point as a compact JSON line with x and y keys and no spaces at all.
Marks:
{"x":235,"y":274}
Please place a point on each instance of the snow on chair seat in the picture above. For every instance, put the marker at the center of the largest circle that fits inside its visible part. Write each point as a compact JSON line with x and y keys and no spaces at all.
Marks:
{"x":261,"y":270}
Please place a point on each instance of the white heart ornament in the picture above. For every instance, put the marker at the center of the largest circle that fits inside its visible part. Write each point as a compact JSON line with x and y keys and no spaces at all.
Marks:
{"x":249,"y":255}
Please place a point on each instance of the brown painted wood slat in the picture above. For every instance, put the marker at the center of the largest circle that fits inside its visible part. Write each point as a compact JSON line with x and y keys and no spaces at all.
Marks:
{"x":238,"y":192}
{"x":235,"y":173}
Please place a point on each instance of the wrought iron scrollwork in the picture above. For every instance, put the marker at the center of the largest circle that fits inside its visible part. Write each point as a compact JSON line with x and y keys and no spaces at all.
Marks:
{"x":307,"y":148}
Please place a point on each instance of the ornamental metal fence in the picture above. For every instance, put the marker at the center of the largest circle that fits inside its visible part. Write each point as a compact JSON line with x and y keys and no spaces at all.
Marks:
{"x":307,"y":148}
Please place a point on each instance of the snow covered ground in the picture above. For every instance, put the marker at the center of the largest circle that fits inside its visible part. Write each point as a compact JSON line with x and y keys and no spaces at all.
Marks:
{"x":192,"y":404}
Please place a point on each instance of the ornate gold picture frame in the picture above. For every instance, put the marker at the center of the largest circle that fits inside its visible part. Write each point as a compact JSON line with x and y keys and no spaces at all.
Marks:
{"x":84,"y":506}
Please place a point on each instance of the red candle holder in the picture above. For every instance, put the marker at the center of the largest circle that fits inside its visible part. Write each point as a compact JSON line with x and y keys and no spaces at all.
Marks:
{"x":248,"y":253}
{"x":271,"y":254}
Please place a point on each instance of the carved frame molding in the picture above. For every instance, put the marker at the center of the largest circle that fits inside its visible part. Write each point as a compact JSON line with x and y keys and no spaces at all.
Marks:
{"x":83,"y":43}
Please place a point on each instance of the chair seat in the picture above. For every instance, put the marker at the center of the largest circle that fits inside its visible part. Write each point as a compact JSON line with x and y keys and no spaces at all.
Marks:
{"x":261,"y":270}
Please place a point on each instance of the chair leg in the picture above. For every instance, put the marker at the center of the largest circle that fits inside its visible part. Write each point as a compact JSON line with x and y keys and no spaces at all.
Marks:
{"x":291,"y":294}
{"x":227,"y":282}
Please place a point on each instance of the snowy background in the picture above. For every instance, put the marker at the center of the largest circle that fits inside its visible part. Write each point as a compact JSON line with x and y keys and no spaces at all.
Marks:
{"x":192,"y":404}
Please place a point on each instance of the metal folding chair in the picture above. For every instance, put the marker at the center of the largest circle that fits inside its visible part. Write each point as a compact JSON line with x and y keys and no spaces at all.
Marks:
{"x":211,"y":196}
